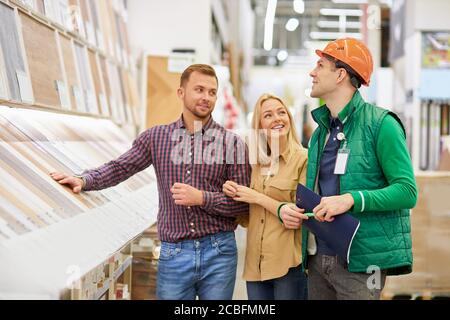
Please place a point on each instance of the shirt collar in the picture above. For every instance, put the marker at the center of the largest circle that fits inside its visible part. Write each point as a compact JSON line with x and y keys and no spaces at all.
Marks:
{"x":209,"y":124}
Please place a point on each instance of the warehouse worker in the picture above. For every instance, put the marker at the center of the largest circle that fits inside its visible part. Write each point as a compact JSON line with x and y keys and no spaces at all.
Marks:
{"x":359,"y":163}
{"x":196,"y":221}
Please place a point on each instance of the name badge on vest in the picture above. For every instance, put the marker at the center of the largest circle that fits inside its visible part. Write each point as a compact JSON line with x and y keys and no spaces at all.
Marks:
{"x":342,"y":156}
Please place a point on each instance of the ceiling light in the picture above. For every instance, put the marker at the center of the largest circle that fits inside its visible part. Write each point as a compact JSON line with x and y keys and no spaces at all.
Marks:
{"x":292,"y":24}
{"x":299,"y":6}
{"x":337,"y":24}
{"x":334,"y":35}
{"x":282,"y":55}
{"x":268,"y":29}
{"x":350,"y":1}
{"x":341,"y":12}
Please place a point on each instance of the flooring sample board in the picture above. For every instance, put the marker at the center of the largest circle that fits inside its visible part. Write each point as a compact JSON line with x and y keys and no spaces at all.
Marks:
{"x":96,"y":22}
{"x":3,"y":79}
{"x":40,"y":6}
{"x":70,"y":68}
{"x":106,"y":85}
{"x":88,"y":23}
{"x":84,"y":69}
{"x":11,"y":48}
{"x":99,"y":92}
{"x":105,"y":22}
{"x":163,"y":105}
{"x":77,"y":20}
{"x":44,"y":61}
{"x":117,"y":98}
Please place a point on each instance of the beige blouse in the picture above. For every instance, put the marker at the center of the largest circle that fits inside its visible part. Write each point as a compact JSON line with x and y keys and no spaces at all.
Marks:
{"x":271,"y":249}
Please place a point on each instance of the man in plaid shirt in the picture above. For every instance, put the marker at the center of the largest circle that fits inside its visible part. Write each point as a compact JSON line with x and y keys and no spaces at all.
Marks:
{"x":193,"y":157}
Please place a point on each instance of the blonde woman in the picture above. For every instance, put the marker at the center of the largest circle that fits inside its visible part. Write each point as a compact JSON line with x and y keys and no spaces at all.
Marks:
{"x":273,"y":257}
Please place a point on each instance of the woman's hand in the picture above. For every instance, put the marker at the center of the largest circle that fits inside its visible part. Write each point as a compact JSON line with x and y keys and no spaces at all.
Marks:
{"x":230,"y":188}
{"x":292,"y":216}
{"x":248,"y":195}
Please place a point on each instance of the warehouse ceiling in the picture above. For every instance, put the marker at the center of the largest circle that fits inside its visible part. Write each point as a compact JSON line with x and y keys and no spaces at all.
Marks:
{"x":314,"y":24}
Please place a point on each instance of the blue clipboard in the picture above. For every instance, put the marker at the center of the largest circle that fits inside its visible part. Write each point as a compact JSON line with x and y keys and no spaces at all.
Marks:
{"x":339,"y":234}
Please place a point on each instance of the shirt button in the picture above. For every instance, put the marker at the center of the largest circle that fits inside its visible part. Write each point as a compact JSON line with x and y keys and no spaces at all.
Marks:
{"x":192,"y":224}
{"x":189,"y":208}
{"x":188,"y":172}
{"x":193,"y":230}
{"x":262,"y":220}
{"x":338,"y":128}
{"x":190,"y":154}
{"x":334,"y":139}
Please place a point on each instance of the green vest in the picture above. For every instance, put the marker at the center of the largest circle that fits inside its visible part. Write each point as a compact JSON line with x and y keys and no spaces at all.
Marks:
{"x":383,"y":238}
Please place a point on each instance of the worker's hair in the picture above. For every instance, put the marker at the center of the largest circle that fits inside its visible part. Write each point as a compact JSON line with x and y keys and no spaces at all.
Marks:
{"x":355,"y":79}
{"x":200,"y":68}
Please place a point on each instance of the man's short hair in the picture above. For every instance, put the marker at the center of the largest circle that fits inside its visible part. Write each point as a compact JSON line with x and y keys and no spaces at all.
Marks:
{"x":200,"y":68}
{"x":355,"y":79}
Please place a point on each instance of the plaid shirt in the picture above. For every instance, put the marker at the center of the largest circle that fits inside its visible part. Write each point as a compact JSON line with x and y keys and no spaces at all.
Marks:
{"x":192,"y":155}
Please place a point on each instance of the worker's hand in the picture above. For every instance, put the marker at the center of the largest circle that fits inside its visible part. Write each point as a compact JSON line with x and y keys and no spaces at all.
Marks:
{"x":333,"y":206}
{"x":292,"y":216}
{"x":230,"y":188}
{"x":186,"y":195}
{"x":76,"y":184}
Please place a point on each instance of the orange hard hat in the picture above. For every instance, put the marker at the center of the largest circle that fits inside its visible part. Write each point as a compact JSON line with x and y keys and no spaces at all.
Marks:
{"x":352,"y":52}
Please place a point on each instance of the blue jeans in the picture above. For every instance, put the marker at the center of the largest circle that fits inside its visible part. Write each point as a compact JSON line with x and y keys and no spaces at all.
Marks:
{"x":292,"y":286}
{"x":203,"y":268}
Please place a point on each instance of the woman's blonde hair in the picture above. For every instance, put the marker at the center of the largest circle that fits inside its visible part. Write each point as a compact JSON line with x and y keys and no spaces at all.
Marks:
{"x":258,"y":144}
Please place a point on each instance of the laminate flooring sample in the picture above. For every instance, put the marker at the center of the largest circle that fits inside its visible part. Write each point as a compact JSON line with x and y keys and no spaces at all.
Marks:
{"x":84,"y":70}
{"x":12,"y":51}
{"x":43,"y":59}
{"x":70,"y":67}
{"x":96,"y":77}
{"x":106,"y":83}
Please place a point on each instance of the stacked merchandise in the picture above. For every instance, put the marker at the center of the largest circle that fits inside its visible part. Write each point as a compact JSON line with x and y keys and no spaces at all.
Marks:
{"x":145,"y":265}
{"x":434,"y":135}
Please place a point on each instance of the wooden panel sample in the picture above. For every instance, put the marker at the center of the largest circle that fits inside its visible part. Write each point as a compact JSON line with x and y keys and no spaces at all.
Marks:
{"x":70,"y":67}
{"x":84,"y":69}
{"x":77,"y":21}
{"x":96,"y":78}
{"x":163,"y":105}
{"x":40,"y":6}
{"x":44,"y":61}
{"x":105,"y":22}
{"x":106,"y":83}
{"x":12,"y":52}
{"x":88,"y":23}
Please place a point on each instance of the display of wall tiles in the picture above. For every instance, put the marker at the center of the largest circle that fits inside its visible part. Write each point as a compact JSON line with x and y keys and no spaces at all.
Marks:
{"x":11,"y":48}
{"x":43,"y":61}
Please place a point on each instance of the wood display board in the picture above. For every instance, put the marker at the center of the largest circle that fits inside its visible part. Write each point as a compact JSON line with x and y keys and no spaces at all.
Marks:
{"x":11,"y":48}
{"x":43,"y":74}
{"x":163,"y":105}
{"x":70,"y":68}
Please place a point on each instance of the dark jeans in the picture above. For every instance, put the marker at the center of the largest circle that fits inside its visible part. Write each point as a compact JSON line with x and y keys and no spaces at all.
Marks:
{"x":329,"y":279}
{"x":292,"y":286}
